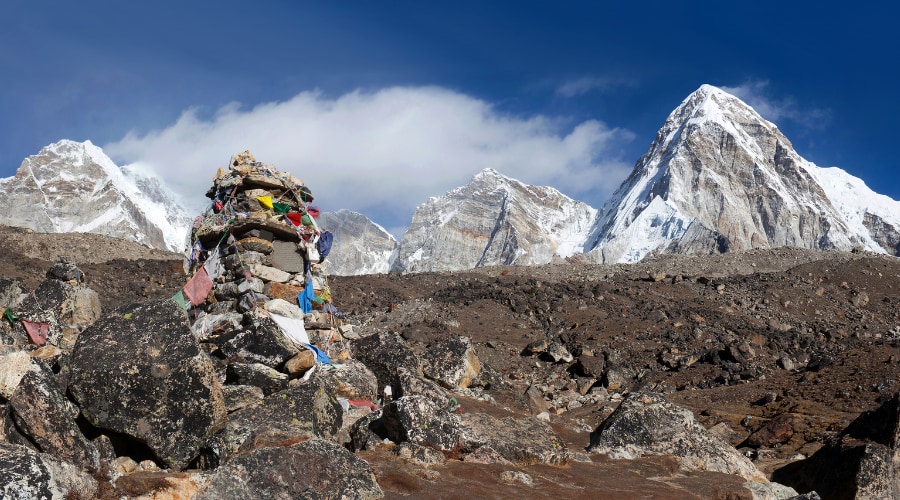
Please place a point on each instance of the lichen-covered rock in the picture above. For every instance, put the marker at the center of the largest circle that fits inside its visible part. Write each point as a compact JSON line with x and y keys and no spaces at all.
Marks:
{"x":10,"y":294}
{"x":647,"y":424}
{"x":13,"y":367}
{"x":65,"y":271}
{"x":27,"y":474}
{"x":295,"y":414}
{"x":451,"y":362}
{"x":352,"y":380}
{"x":46,"y":418}
{"x":66,"y":306}
{"x":383,"y":353}
{"x":421,"y":455}
{"x":160,"y":388}
{"x":421,"y":421}
{"x":241,"y":396}
{"x":410,"y":384}
{"x":522,"y":441}
{"x":268,"y":379}
{"x":259,"y":340}
{"x":311,"y":469}
{"x":365,"y":433}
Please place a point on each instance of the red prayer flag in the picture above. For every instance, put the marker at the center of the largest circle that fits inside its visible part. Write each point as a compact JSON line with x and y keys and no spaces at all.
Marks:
{"x":198,"y":287}
{"x":36,"y":331}
{"x":296,"y":218}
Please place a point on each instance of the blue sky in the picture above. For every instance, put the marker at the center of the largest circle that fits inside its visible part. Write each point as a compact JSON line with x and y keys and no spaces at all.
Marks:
{"x":379,"y":105}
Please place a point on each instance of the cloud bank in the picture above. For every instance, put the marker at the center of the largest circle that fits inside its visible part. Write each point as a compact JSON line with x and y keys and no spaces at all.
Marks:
{"x":382,"y":153}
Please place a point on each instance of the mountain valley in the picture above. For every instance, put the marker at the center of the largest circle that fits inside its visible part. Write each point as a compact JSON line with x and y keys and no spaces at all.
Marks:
{"x":741,"y":340}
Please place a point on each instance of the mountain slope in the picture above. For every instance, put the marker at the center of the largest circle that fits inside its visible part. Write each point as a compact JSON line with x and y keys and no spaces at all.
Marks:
{"x":720,"y":178}
{"x":74,"y":187}
{"x":493,"y":220}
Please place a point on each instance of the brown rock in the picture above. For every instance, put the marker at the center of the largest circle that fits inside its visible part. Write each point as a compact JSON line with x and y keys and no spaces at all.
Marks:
{"x":254,"y":244}
{"x":282,"y":291}
{"x":536,"y":400}
{"x":304,"y":360}
{"x":776,"y":431}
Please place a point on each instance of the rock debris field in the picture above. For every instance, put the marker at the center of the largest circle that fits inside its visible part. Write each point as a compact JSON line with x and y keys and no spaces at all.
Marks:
{"x":765,"y":374}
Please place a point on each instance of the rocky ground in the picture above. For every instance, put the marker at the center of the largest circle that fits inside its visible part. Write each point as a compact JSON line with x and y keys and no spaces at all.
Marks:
{"x":775,"y":351}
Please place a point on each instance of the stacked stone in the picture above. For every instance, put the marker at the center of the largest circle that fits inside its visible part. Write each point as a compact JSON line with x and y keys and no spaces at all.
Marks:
{"x":258,"y":244}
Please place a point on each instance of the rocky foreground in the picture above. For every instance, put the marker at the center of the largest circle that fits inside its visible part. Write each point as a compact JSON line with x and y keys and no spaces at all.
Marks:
{"x":757,"y":375}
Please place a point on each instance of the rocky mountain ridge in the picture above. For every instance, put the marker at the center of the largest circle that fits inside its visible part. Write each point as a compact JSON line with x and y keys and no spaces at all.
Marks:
{"x":717,"y":178}
{"x":493,"y":220}
{"x":74,"y":187}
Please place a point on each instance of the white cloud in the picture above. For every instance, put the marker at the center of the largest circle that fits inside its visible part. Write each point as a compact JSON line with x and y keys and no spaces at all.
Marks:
{"x":383,"y":152}
{"x":775,"y":110}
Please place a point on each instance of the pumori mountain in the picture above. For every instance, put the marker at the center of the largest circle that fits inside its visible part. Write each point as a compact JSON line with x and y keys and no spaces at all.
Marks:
{"x":360,"y":246}
{"x":494,"y":220}
{"x":721,"y":178}
{"x":74,"y":187}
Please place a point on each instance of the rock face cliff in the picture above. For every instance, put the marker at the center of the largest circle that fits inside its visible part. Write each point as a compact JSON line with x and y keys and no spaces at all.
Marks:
{"x":74,"y":187}
{"x":493,"y":220}
{"x":721,"y":178}
{"x":360,"y":245}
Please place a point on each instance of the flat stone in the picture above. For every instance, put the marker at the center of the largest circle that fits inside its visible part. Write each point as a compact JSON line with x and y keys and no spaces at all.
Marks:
{"x":270,"y":273}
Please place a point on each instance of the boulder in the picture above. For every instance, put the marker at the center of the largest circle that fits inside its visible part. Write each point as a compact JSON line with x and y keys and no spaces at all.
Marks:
{"x":241,"y":396}
{"x":366,"y":432}
{"x":777,"y":431}
{"x":64,"y":271}
{"x":13,"y":367}
{"x":352,"y":380}
{"x":311,"y":469}
{"x":10,"y":294}
{"x":66,"y":306}
{"x":139,"y":371}
{"x":419,"y":420}
{"x":860,"y":462}
{"x":259,"y":340}
{"x":295,"y":414}
{"x":647,"y":424}
{"x":43,"y":415}
{"x":419,"y":455}
{"x":590,"y":366}
{"x":451,"y":362}
{"x":411,"y":384}
{"x":383,"y":353}
{"x":268,"y":379}
{"x":28,"y":474}
{"x":522,"y":441}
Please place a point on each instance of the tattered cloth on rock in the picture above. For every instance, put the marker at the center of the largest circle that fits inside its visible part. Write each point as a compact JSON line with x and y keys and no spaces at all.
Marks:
{"x":37,"y":331}
{"x":197,"y":289}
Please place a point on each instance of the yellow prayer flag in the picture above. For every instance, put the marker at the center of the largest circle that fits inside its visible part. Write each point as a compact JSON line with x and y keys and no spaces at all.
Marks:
{"x":266,"y":201}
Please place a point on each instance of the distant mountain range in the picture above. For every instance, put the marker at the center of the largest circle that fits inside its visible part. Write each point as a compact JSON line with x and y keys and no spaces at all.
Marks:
{"x":717,"y":178}
{"x":74,"y":187}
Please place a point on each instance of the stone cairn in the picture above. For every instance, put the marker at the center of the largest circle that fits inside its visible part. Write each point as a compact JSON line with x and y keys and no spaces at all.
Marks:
{"x":258,"y":249}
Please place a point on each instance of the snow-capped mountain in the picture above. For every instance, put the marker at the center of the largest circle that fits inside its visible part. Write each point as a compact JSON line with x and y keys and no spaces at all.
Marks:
{"x":74,"y":187}
{"x":360,"y":246}
{"x":721,"y":178}
{"x":493,"y":220}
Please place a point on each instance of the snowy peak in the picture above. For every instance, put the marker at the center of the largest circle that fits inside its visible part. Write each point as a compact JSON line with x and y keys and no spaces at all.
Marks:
{"x":719,"y":177}
{"x":79,"y":189}
{"x":360,"y":246}
{"x":493,"y":220}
